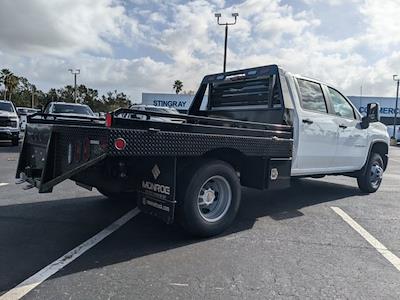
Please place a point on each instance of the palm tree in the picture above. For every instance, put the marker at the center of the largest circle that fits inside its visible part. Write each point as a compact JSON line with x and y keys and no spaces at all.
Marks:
{"x":178,"y":86}
{"x":12,"y":83}
{"x":4,"y":74}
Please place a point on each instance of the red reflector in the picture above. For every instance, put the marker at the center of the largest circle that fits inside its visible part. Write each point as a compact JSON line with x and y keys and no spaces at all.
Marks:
{"x":120,"y":144}
{"x":77,"y":151}
{"x":108,"y":120}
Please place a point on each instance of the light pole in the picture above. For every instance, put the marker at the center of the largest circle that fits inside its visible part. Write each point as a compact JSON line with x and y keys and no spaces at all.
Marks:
{"x":75,"y":73}
{"x":218,"y":16}
{"x":33,"y":96}
{"x":397,"y":79}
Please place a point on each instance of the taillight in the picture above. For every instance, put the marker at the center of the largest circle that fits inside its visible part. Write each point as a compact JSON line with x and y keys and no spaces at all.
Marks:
{"x":108,"y":120}
{"x":120,"y":144}
{"x":86,"y":149}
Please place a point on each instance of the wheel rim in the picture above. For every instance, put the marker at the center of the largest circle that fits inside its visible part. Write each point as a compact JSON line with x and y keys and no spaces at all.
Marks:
{"x":214,"y":198}
{"x":376,"y":174}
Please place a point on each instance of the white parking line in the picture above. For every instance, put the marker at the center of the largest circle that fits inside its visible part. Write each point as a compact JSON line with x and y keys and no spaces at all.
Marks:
{"x":392,"y":159}
{"x":393,"y":259}
{"x":3,"y":183}
{"x":29,"y":284}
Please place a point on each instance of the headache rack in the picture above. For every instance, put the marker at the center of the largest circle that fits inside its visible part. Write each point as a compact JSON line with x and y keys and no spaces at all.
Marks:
{"x":44,"y":118}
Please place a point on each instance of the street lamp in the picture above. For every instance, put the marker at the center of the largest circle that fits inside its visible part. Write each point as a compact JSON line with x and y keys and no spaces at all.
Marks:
{"x":218,"y":16}
{"x":397,"y":79}
{"x":75,"y":73}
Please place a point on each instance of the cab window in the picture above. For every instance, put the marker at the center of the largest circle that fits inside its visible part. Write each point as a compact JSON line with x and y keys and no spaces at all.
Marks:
{"x":341,"y":106}
{"x":312,"y":97}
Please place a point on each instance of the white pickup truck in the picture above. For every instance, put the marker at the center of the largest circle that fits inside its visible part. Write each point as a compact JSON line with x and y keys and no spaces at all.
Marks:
{"x":332,"y":137}
{"x":258,"y":127}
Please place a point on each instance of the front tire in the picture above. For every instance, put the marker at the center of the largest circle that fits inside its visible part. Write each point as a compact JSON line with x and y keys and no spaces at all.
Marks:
{"x":208,"y":198}
{"x":371,"y":179}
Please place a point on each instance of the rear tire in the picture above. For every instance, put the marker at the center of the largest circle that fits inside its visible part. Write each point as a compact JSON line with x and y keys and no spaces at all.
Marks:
{"x":208,"y":198}
{"x":371,"y":179}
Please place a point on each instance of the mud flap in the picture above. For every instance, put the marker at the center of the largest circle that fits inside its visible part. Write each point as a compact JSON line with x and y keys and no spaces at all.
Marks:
{"x":157,"y":188}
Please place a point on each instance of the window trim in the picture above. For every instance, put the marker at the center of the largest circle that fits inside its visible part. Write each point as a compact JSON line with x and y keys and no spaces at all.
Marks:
{"x":355,"y":116}
{"x":323,"y":95}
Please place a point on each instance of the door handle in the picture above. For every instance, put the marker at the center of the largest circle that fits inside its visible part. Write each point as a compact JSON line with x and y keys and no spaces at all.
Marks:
{"x":307,"y":121}
{"x":342,"y":126}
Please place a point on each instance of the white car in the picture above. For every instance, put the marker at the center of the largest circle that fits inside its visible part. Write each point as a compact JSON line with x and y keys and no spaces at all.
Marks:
{"x":159,"y":109}
{"x":390,"y":131}
{"x":9,"y":122}
{"x":69,"y":109}
{"x":23,"y":113}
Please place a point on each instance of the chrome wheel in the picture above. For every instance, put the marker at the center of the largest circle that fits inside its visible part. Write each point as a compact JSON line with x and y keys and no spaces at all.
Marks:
{"x":214,"y":198}
{"x":376,"y":174}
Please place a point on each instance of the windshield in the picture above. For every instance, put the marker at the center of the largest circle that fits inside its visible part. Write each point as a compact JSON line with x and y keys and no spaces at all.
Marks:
{"x":72,"y":109}
{"x":4,"y":106}
{"x":168,"y":110}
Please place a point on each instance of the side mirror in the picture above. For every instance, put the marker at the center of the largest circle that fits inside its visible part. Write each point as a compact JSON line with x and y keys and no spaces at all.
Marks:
{"x":373,"y":115}
{"x":373,"y":112}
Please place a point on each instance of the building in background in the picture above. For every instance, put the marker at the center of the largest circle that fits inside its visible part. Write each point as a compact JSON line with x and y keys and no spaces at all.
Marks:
{"x":387,"y":110}
{"x":182,"y":103}
{"x":179,"y":101}
{"x":387,"y":105}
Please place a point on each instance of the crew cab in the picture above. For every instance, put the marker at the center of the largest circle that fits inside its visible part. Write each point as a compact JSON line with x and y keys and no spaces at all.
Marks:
{"x":9,"y":122}
{"x":259,"y":127}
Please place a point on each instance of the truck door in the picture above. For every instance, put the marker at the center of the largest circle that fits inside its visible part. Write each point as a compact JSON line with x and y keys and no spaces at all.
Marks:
{"x":352,"y":140}
{"x":317,"y":136}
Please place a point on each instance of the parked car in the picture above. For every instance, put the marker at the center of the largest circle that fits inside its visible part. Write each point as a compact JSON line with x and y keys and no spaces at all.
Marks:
{"x":100,"y":114}
{"x":157,"y":109}
{"x":260,"y":128}
{"x":9,"y":122}
{"x":69,"y":109}
{"x":23,"y":113}
{"x":390,"y":131}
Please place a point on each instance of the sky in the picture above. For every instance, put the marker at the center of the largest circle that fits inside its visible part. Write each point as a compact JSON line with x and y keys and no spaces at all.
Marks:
{"x":139,"y":46}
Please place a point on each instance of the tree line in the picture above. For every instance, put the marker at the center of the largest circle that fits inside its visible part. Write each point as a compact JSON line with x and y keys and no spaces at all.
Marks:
{"x":21,"y":92}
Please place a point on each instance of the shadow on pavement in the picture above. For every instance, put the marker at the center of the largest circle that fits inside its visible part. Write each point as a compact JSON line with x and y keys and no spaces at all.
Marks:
{"x":6,"y":147}
{"x":35,"y":234}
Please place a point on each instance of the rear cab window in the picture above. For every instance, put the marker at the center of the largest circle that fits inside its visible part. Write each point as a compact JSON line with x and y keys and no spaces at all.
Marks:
{"x":253,"y":95}
{"x":235,"y":92}
{"x":311,"y":96}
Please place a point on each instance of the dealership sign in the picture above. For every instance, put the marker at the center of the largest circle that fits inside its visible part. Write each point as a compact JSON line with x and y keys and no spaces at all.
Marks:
{"x":387,"y":105}
{"x":170,"y":103}
{"x":180,"y":102}
{"x":385,"y":111}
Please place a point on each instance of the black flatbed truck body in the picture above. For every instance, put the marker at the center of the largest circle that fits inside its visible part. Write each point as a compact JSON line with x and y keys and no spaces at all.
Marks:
{"x":155,"y":154}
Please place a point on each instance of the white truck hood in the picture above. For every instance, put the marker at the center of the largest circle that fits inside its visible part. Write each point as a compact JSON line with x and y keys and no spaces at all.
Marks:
{"x":4,"y":113}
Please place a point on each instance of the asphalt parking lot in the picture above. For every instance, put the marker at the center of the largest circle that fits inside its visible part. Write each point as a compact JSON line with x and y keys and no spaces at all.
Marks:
{"x":287,"y":244}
